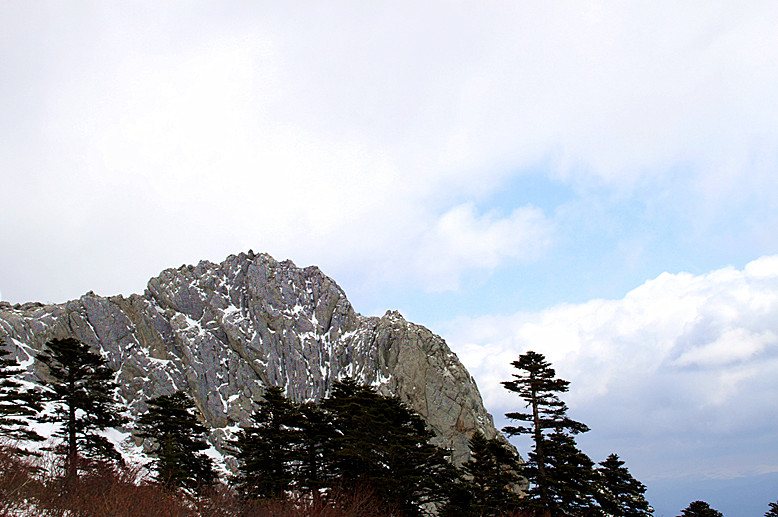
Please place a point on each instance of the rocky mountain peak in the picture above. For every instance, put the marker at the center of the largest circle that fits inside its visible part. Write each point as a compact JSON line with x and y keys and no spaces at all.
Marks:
{"x":222,"y":332}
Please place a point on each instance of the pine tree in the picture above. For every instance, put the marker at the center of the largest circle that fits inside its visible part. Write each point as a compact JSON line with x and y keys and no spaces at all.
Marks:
{"x":773,"y":511}
{"x":266,"y":449}
{"x":493,"y":475}
{"x":82,"y":390}
{"x":621,"y":494}
{"x":558,"y":472}
{"x":179,"y":440}
{"x":572,"y":481}
{"x":700,"y":509}
{"x":18,"y":404}
{"x":352,"y":457}
{"x":312,"y":454}
{"x":383,"y":444}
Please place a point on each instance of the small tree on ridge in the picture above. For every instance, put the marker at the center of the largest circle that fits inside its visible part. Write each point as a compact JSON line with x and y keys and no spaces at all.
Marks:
{"x":700,"y":509}
{"x":622,"y":495}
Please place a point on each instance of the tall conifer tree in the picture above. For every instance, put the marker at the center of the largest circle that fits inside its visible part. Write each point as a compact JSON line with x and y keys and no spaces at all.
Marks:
{"x":315,"y":433}
{"x":266,"y":448}
{"x":492,"y":478}
{"x":385,"y":445}
{"x":81,"y":386}
{"x":572,"y":482}
{"x":555,"y":466}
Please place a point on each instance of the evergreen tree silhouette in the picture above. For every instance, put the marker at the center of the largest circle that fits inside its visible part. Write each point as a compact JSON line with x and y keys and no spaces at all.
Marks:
{"x":383,"y":444}
{"x":19,"y":405}
{"x":492,"y":476}
{"x":312,"y":456}
{"x":80,"y":385}
{"x":179,"y":439}
{"x":700,"y":509}
{"x":621,"y":495}
{"x":561,"y":476}
{"x":266,"y":448}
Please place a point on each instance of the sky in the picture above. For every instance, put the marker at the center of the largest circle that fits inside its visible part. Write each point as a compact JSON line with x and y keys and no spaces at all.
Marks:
{"x":594,"y":181}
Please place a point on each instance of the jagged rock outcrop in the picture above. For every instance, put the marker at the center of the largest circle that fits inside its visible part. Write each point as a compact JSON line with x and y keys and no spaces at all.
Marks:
{"x":222,"y":332}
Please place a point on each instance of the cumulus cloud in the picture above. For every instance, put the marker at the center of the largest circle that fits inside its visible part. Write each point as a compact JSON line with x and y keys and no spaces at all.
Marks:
{"x":679,"y":361}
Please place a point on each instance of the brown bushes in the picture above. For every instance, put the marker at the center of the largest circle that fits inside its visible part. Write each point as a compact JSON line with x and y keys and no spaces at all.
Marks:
{"x":17,"y":481}
{"x":28,"y":489}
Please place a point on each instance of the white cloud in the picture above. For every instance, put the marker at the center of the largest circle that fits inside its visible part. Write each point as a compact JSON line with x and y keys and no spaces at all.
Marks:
{"x":353,"y":136}
{"x":731,"y":346}
{"x":678,"y":358}
{"x":463,"y":240}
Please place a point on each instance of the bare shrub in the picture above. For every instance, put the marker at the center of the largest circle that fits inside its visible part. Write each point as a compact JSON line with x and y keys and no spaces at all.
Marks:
{"x":35,"y":486}
{"x":105,"y":490}
{"x":18,"y":480}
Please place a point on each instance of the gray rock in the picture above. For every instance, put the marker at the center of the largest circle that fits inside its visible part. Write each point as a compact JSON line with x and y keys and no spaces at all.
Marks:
{"x":222,"y":332}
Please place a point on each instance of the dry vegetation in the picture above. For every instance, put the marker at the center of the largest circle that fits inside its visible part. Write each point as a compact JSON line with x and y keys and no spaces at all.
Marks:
{"x":27,"y":489}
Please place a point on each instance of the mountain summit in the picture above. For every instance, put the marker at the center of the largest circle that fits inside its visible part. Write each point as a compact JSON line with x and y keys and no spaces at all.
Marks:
{"x":223,"y":332}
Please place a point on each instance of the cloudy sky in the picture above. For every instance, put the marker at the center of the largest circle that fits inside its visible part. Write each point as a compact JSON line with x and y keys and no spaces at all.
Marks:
{"x":591,"y":180}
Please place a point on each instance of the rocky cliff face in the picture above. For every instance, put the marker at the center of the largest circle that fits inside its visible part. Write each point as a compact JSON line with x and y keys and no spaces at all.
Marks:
{"x":222,"y":332}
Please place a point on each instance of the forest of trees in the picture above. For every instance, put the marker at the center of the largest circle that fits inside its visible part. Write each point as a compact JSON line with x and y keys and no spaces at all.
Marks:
{"x":356,"y":453}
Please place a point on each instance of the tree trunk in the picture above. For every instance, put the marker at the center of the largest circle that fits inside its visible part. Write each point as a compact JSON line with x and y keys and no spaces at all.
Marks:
{"x":71,"y":469}
{"x":541,"y":459}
